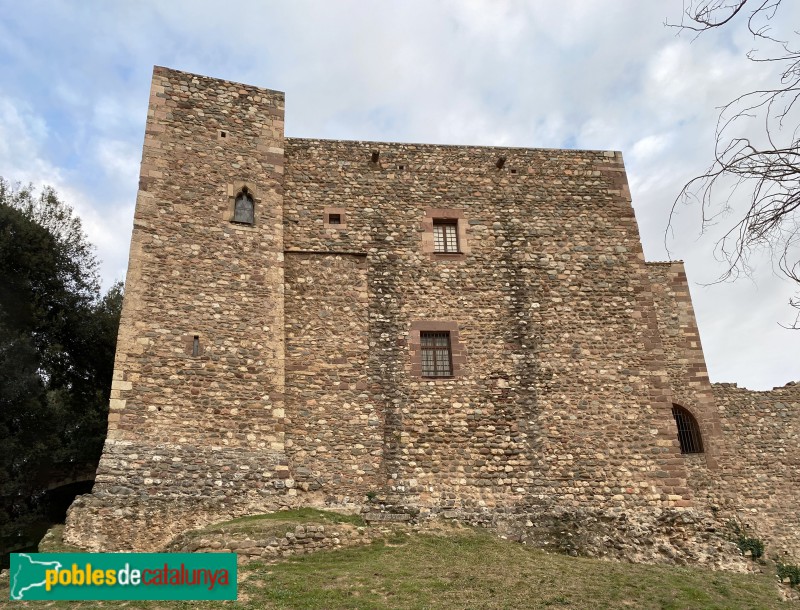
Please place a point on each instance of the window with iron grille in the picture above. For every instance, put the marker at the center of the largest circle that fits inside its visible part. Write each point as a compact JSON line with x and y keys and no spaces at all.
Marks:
{"x":445,"y":236}
{"x":688,"y":430}
{"x":436,"y":356}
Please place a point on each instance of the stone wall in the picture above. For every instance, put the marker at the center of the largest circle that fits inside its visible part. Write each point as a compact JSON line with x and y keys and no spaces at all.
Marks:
{"x":686,"y":368}
{"x":335,"y":430}
{"x":662,"y":535}
{"x":750,"y":469}
{"x":106,"y":522}
{"x":683,"y":356}
{"x":561,"y":397}
{"x":759,"y":476}
{"x":294,"y":540}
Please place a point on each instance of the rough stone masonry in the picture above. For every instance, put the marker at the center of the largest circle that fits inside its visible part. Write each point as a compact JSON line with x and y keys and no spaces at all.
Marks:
{"x":278,"y":345}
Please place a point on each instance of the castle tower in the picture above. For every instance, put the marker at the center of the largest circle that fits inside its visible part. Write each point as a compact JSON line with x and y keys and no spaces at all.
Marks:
{"x":196,"y":415}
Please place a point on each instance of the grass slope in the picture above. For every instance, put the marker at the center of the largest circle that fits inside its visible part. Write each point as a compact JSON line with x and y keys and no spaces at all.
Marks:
{"x":473,"y":569}
{"x":464,"y":568}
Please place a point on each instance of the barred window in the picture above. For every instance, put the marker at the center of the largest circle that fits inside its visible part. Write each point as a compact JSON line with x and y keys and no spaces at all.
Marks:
{"x":244,"y":208}
{"x":445,"y":236}
{"x":436,"y":355}
{"x":688,"y":430}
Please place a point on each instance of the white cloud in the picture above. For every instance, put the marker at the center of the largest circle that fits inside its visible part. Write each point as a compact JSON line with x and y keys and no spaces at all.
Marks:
{"x":650,"y":146}
{"x":586,"y":74}
{"x":119,"y":160}
{"x":21,"y":134}
{"x":107,"y":222}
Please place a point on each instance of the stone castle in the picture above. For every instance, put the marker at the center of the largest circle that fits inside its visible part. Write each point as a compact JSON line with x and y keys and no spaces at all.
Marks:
{"x":413,"y":329}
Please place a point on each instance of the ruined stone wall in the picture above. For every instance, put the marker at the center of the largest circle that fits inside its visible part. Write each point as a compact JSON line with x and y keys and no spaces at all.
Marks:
{"x":759,"y":475}
{"x":207,"y":426}
{"x":294,"y":540}
{"x":750,"y":468}
{"x":560,"y":395}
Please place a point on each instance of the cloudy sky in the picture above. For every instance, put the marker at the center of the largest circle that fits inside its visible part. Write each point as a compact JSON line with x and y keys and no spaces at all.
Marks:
{"x":75,"y":77}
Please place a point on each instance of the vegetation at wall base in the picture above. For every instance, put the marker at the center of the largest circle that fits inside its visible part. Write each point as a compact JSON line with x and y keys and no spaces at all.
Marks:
{"x":749,"y":546}
{"x":790,"y":572}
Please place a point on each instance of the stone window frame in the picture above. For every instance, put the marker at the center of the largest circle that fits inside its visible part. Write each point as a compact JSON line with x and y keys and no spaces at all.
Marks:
{"x":326,"y":214}
{"x":458,"y":351}
{"x":234,"y":189}
{"x":453,"y":215}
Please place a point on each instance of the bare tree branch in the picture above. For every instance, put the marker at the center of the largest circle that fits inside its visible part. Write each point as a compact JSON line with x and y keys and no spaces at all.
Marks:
{"x":757,"y":149}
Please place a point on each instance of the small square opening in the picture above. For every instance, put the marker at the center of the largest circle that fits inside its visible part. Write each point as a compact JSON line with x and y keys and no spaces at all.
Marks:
{"x":334,"y":219}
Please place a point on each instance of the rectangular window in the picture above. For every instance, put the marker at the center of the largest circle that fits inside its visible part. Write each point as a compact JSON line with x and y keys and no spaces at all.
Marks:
{"x":445,"y":236}
{"x":436,"y":356}
{"x":196,"y":346}
{"x":334,"y":219}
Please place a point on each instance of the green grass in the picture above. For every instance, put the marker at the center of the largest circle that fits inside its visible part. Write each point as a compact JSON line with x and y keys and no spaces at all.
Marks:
{"x":276,"y":524}
{"x":473,"y":569}
{"x":465,"y":568}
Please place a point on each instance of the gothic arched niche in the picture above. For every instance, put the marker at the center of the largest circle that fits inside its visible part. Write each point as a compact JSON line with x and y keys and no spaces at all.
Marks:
{"x":244,"y":207}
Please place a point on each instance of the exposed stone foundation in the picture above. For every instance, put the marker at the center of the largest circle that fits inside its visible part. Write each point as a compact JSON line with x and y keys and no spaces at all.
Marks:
{"x":111,"y":523}
{"x":662,"y":536}
{"x":296,"y":540}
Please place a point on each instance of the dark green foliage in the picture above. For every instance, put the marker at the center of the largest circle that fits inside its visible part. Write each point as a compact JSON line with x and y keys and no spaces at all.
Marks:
{"x":754,"y":545}
{"x":57,"y":338}
{"x":792,"y":572}
{"x":745,"y":542}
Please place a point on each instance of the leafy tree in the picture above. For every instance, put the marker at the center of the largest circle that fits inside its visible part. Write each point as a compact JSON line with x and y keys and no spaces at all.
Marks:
{"x":757,"y":146}
{"x":57,"y":339}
